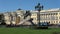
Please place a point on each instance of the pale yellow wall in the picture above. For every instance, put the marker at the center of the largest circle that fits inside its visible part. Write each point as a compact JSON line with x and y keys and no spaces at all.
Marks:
{"x":49,"y":17}
{"x":7,"y":18}
{"x":34,"y":16}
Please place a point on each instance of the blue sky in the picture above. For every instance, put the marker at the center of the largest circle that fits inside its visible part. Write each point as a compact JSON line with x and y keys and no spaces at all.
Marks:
{"x":12,"y":5}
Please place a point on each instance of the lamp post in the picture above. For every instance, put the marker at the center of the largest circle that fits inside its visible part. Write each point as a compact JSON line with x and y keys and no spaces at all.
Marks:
{"x":38,"y":8}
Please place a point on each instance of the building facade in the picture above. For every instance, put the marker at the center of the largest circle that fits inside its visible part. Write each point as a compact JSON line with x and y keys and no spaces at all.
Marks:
{"x":52,"y":16}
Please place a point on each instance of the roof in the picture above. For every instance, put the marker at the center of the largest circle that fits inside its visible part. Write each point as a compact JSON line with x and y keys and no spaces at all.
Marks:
{"x":55,"y":9}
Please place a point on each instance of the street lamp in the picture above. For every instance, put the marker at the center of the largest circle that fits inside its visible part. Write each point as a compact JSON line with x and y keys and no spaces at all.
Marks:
{"x":38,"y":8}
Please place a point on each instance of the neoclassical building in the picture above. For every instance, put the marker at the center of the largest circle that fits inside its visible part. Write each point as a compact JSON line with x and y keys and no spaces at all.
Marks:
{"x":51,"y":15}
{"x":17,"y":17}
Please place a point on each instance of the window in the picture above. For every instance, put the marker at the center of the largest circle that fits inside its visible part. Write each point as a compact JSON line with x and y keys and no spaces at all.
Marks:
{"x":54,"y":21}
{"x":59,"y":17}
{"x":56,"y":18}
{"x":59,"y":21}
